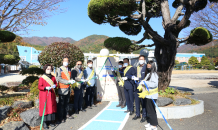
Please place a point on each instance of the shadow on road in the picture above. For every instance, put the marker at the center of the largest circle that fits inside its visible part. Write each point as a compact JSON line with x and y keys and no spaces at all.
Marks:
{"x":182,"y":88}
{"x":214,"y":84}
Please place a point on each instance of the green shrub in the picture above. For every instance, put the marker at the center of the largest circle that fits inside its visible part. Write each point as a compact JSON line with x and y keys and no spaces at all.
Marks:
{"x":6,"y":36}
{"x":34,"y":88}
{"x":32,"y":71}
{"x":29,"y":80}
{"x":3,"y":88}
{"x":167,"y":91}
{"x":199,"y":66}
{"x":34,"y":66}
{"x":211,"y":67}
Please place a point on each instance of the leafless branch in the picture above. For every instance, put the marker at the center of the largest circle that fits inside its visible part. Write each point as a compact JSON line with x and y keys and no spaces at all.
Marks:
{"x":165,"y":12}
{"x":177,"y":13}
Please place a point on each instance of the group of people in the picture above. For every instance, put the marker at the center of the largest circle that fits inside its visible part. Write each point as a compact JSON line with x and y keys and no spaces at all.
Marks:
{"x":66,"y":79}
{"x":131,"y":82}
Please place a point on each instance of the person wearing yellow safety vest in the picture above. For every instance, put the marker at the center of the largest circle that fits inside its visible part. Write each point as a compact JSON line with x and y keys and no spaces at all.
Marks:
{"x":120,"y":84}
{"x":129,"y":85}
{"x":63,"y":76}
{"x":77,"y":74}
{"x":140,"y":76}
{"x":151,"y":79}
{"x":90,"y":75}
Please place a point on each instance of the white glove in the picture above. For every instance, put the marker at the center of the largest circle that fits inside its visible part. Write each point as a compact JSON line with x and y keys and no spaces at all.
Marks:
{"x":112,"y":69}
{"x":48,"y":88}
{"x":87,"y":80}
{"x":142,"y":82}
{"x":124,"y":78}
{"x":96,"y":77}
{"x":83,"y":80}
{"x":72,"y":81}
{"x":135,"y":78}
{"x":54,"y":86}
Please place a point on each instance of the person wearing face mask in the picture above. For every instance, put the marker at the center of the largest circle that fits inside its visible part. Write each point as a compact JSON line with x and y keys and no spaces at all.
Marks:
{"x":64,"y":79}
{"x":140,"y":76}
{"x":77,"y":74}
{"x":90,"y":76}
{"x":47,"y":82}
{"x":151,"y":79}
{"x":120,"y":84}
{"x":129,"y":85}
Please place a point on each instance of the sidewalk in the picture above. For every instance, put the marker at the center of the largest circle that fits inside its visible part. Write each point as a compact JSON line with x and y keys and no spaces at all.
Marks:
{"x":11,"y":77}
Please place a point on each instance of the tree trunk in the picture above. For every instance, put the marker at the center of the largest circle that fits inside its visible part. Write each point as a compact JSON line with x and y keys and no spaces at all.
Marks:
{"x":165,"y":58}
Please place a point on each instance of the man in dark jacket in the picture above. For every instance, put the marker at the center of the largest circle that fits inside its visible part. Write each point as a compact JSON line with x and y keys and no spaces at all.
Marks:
{"x":129,"y":85}
{"x":140,"y":76}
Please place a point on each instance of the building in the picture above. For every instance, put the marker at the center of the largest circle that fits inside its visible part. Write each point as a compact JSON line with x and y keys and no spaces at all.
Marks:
{"x":28,"y":54}
{"x":184,"y":57}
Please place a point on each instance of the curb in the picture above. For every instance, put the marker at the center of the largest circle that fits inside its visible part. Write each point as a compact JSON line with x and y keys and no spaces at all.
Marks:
{"x":178,"y":112}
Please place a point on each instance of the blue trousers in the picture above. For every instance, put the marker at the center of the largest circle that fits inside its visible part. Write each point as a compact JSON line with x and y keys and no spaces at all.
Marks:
{"x":78,"y":98}
{"x":137,"y":104}
{"x":129,"y":98}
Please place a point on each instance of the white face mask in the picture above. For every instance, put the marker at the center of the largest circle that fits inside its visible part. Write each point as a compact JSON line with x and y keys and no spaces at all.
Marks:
{"x":48,"y":71}
{"x":125,"y":64}
{"x":90,"y":65}
{"x":141,"y":62}
{"x":65,"y":64}
{"x":120,"y":66}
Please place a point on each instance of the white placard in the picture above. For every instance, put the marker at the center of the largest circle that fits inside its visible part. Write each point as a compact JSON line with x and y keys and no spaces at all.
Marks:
{"x":106,"y":82}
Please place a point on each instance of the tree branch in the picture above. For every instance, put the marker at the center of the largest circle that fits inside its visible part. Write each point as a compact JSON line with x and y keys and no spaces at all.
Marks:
{"x":185,"y":39}
{"x":136,"y":16}
{"x":165,"y":12}
{"x":189,"y":11}
{"x":177,"y":13}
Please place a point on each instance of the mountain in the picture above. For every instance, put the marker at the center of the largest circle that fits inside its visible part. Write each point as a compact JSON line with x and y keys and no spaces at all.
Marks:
{"x":45,"y":41}
{"x":93,"y":43}
{"x":211,"y":49}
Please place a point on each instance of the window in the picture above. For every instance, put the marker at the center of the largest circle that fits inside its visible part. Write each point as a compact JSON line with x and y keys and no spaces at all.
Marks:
{"x":180,"y":58}
{"x":25,"y":50}
{"x":187,"y":58}
{"x":34,"y":51}
{"x":34,"y":57}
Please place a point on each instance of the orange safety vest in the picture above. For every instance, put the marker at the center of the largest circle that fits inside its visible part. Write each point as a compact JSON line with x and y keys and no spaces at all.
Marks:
{"x":63,"y":76}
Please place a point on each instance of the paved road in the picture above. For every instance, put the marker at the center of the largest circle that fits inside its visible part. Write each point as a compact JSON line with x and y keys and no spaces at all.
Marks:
{"x":206,"y":121}
{"x":11,"y":77}
{"x":80,"y":119}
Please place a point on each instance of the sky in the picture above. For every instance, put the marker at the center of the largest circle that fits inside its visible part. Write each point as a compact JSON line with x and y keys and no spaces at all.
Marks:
{"x":76,"y":24}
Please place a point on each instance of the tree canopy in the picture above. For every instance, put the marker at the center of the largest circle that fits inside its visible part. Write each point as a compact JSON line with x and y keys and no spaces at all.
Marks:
{"x":133,"y":16}
{"x":54,"y":54}
{"x":193,"y":60}
{"x":205,"y":61}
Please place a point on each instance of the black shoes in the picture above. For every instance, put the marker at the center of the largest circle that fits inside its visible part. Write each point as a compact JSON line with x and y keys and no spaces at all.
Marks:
{"x":76,"y":112}
{"x":126,"y":111}
{"x":143,"y":119}
{"x":94,"y":105}
{"x":136,"y":117}
{"x":52,"y":125}
{"x":89,"y":107}
{"x":83,"y":110}
{"x":70,"y":117}
{"x":131,"y":113}
{"x":45,"y":126}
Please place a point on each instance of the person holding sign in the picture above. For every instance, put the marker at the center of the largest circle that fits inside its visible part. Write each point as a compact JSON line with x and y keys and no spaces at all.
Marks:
{"x":140,"y":76}
{"x":151,"y":80}
{"x":90,"y":76}
{"x":129,"y":84}
{"x":64,"y":79}
{"x":120,"y":85}
{"x":77,"y":74}
{"x":46,"y":86}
